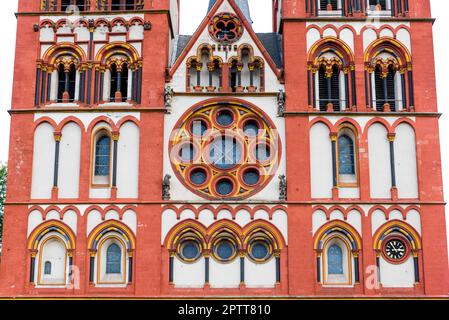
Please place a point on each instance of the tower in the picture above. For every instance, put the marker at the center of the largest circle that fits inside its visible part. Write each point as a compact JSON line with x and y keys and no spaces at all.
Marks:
{"x":300,"y":162}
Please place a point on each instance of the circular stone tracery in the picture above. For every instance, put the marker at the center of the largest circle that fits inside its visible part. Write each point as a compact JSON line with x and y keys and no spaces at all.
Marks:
{"x":225,"y":151}
{"x":226,"y":28}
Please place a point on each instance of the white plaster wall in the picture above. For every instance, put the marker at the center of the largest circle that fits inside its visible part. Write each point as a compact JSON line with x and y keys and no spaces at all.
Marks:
{"x":69,"y":161}
{"x":128,"y":161}
{"x":130,"y":219}
{"x":320,"y":161}
{"x":190,"y":275}
{"x":318,"y":220}
{"x":405,"y":162}
{"x":93,"y":220}
{"x":379,"y":162}
{"x":224,"y":275}
{"x":260,"y":275}
{"x":397,"y":275}
{"x":43,"y":162}
{"x":34,"y":219}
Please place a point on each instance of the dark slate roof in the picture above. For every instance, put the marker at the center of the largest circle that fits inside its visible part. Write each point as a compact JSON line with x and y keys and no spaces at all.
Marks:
{"x":272,"y":42}
{"x":243,"y":5}
{"x":180,"y":42}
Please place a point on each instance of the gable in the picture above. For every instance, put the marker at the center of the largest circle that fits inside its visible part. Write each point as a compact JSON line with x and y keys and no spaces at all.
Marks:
{"x":265,"y":45}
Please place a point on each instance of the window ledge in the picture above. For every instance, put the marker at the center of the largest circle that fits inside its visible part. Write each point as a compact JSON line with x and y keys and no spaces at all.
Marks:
{"x":383,"y":13}
{"x":65,"y":105}
{"x":115,"y":104}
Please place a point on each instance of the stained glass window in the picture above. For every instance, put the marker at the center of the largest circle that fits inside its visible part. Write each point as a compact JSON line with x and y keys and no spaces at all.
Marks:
{"x":113,"y":259}
{"x":346,"y":160}
{"x":47,"y":268}
{"x":190,"y":250}
{"x":225,"y":250}
{"x":259,"y":251}
{"x":335,"y":260}
{"x":103,"y":156}
{"x":225,"y":152}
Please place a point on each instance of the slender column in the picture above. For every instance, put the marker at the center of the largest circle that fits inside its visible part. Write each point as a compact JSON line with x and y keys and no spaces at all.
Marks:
{"x":314,"y":75}
{"x":391,"y":138}
{"x":278,"y":268}
{"x":92,"y":267}
{"x":32,"y":267}
{"x":333,"y":136}
{"x":66,"y":80}
{"x":399,"y":6}
{"x":393,"y":9}
{"x":206,"y":269}
{"x":239,"y":74}
{"x":368,"y":89}
{"x":318,"y":269}
{"x":354,"y":87}
{"x":416,"y":265}
{"x":317,"y":6}
{"x":347,"y":103}
{"x":242,"y":268}
{"x":198,"y":74}
{"x":130,"y":267}
{"x":410,"y":89}
{"x":115,"y":137}
{"x":356,"y":268}
{"x":70,"y":265}
{"x":404,"y":91}
{"x":406,"y":8}
{"x":100,"y":99}
{"x":309,"y":96}
{"x":96,"y":86}
{"x":170,"y":268}
{"x":48,"y":85}
{"x":43,"y":86}
{"x":57,"y":136}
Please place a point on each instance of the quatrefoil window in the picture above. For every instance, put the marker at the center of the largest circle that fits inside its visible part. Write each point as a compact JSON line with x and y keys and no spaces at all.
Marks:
{"x":225,"y":28}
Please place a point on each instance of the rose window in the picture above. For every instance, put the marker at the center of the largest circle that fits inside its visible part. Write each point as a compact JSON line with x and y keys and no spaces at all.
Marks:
{"x":225,"y":151}
{"x":225,"y":27}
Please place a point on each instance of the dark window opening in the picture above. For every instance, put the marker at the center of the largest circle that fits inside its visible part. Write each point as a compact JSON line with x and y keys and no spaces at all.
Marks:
{"x":325,"y":3}
{"x":374,"y":4}
{"x":47,"y":268}
{"x":329,"y":89}
{"x":81,"y":4}
{"x":65,"y":4}
{"x":116,"y":5}
{"x":233,"y":79}
{"x":385,"y":89}
{"x":66,"y":84}
{"x":119,"y":82}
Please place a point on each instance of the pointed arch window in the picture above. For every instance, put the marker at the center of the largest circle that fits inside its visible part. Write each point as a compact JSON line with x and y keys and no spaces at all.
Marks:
{"x":113,"y":259}
{"x":346,"y":156}
{"x":102,"y":158}
{"x":335,"y":260}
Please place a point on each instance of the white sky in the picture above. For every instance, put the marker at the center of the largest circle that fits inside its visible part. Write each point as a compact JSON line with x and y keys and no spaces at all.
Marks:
{"x":261,"y":14}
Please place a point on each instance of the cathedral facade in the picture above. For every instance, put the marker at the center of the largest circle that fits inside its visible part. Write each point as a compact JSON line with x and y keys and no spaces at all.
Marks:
{"x":300,"y":162}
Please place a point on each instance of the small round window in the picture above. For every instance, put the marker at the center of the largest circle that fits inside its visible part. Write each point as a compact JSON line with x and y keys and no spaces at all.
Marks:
{"x":260,"y":251}
{"x":225,"y":251}
{"x":190,"y":251}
